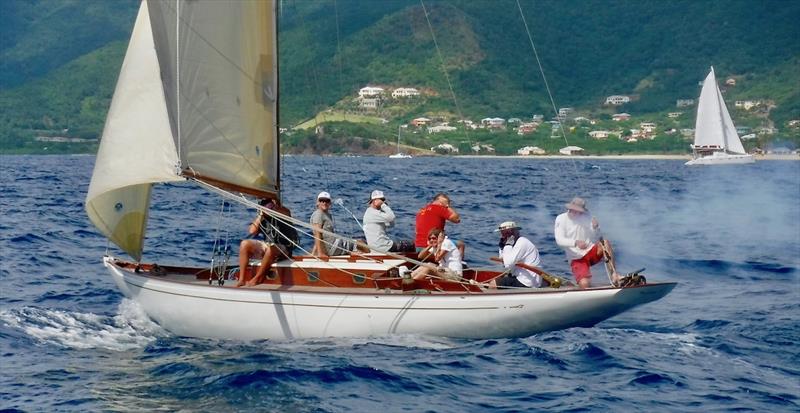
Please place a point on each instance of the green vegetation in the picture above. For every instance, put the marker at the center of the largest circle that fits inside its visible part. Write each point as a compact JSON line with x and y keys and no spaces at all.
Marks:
{"x":59,"y":60}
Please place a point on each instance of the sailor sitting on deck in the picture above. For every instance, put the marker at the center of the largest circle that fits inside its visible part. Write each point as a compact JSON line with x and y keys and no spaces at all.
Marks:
{"x":514,"y":249}
{"x":447,"y":255}
{"x":279,"y":241}
{"x":578,"y":234}
{"x":377,"y":218}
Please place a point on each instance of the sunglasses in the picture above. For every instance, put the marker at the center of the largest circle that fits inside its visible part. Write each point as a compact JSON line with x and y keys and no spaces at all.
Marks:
{"x":325,"y":201}
{"x":433,"y":237}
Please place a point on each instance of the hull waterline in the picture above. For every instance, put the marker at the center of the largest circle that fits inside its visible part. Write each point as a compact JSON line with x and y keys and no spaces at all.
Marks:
{"x":198,"y":310}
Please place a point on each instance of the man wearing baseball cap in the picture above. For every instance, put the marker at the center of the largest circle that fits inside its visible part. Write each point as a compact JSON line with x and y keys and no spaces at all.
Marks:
{"x":377,"y":218}
{"x":513,"y":249}
{"x":578,"y":234}
{"x":321,"y":220}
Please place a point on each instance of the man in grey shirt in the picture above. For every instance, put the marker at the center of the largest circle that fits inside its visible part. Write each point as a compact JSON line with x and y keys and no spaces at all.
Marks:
{"x":321,"y":220}
{"x":377,"y":218}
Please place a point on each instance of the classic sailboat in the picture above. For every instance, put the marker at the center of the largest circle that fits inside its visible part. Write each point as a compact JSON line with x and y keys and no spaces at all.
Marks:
{"x":715,"y":139}
{"x":197,"y":100}
{"x":399,"y":154}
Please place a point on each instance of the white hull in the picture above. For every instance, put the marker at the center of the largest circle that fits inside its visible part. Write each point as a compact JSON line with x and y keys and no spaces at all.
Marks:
{"x":400,"y":156}
{"x":721,"y":158}
{"x":200,"y":310}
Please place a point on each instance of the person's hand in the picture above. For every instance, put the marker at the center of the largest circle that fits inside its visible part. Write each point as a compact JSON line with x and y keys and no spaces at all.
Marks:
{"x":595,"y":224}
{"x":581,"y":244}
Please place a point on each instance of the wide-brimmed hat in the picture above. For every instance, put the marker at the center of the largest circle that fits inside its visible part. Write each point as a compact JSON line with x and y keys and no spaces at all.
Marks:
{"x":577,"y":204}
{"x":324,"y":195}
{"x":376,"y":194}
{"x":507,"y":225}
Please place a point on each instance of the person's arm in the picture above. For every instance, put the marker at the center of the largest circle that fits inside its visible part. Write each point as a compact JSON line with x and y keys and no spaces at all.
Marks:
{"x":319,"y":247}
{"x":452,"y":215}
{"x":561,"y":235}
{"x":387,"y":214}
{"x":253,"y":228}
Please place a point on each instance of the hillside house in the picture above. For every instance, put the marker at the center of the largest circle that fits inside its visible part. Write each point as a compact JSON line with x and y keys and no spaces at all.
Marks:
{"x":370,"y":103}
{"x":468,"y":124}
{"x":441,"y":128}
{"x":404,"y":92}
{"x":530,"y":150}
{"x":480,"y":147}
{"x":619,"y":117}
{"x":537,"y":118}
{"x":419,"y":122}
{"x":747,"y":104}
{"x":526,"y":128}
{"x":673,"y":115}
{"x":617,"y":100}
{"x":743,"y":130}
{"x":571,"y":150}
{"x":794,"y":123}
{"x":649,"y":128}
{"x":514,"y":121}
{"x":682,"y":103}
{"x":370,"y":91}
{"x":444,"y":148}
{"x":493,"y":123}
{"x":598,"y":134}
{"x":749,"y":136}
{"x":730,"y":82}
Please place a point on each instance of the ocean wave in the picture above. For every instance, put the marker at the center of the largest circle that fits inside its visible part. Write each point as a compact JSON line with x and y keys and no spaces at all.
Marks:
{"x":129,"y":329}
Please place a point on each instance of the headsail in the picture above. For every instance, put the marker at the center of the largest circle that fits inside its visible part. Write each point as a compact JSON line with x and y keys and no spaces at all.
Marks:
{"x":136,"y":149}
{"x":714,"y":126}
{"x":197,"y":93}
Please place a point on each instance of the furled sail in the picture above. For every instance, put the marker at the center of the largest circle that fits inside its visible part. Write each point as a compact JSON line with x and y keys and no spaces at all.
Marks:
{"x":196,"y":96}
{"x":714,"y":126}
{"x":219,"y":62}
{"x":136,"y":148}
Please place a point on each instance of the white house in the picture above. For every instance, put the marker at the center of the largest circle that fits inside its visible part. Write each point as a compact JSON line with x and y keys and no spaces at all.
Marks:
{"x":571,"y":150}
{"x":599,"y":134}
{"x":530,"y":150}
{"x":420,"y":121}
{"x":618,"y":117}
{"x":747,"y":104}
{"x":674,"y":115}
{"x":749,"y":136}
{"x":441,"y":128}
{"x":527,"y":127}
{"x":370,"y":91}
{"x":368,"y":103}
{"x":478,"y":147}
{"x":495,"y":123}
{"x":445,"y":147}
{"x":405,"y":92}
{"x":682,"y":103}
{"x":617,"y":100}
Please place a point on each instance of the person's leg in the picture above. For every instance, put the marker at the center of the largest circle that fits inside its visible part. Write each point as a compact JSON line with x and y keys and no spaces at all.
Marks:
{"x":422,"y":271}
{"x":270,"y":255}
{"x":608,"y":252}
{"x":582,"y":273}
{"x":247,"y":249}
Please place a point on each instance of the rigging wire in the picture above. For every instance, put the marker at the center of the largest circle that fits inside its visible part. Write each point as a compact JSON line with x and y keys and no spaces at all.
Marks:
{"x":549,"y":93}
{"x":444,"y":70}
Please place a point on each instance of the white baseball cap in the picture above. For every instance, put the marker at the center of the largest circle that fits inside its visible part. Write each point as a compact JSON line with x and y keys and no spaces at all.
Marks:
{"x":323,"y":195}
{"x":376,"y":194}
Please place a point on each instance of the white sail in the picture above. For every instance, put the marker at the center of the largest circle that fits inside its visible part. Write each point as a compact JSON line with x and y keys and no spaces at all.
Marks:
{"x":136,"y":148}
{"x":714,"y":126}
{"x":220,"y":63}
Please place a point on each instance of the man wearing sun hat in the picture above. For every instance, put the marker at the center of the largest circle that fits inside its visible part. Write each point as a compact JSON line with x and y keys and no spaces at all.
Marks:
{"x":377,"y":218}
{"x":513,"y":249}
{"x":578,"y":234}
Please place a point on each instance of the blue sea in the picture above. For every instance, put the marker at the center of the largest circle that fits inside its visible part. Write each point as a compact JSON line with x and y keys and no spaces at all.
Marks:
{"x":726,"y":339}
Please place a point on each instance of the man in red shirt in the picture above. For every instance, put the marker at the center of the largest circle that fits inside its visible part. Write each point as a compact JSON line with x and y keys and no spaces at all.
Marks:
{"x":434,"y":215}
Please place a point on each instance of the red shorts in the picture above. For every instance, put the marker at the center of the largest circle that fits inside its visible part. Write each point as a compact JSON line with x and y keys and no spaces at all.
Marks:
{"x":581,"y":268}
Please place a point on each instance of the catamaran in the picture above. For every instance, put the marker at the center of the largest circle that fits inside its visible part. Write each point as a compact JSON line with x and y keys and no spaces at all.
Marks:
{"x":197,"y":100}
{"x":715,"y":139}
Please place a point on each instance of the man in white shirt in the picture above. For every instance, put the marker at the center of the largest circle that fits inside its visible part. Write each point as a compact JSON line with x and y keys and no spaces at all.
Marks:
{"x":513,"y":249}
{"x":377,"y":218}
{"x":578,"y":234}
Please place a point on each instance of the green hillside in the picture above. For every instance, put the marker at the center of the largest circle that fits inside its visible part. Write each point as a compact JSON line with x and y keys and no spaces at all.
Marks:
{"x":60,"y":59}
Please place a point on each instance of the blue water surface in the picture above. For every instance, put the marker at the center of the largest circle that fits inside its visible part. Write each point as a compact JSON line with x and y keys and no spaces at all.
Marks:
{"x":726,"y":339}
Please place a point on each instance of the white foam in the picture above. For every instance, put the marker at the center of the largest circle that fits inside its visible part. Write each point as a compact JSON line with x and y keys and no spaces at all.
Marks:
{"x":129,"y":329}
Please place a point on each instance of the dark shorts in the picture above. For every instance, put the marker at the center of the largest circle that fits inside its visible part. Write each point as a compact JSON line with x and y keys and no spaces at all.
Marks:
{"x":509,"y":281}
{"x":402,"y":246}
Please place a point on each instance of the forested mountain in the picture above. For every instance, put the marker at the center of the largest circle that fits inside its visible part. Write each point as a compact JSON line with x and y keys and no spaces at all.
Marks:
{"x":59,"y":58}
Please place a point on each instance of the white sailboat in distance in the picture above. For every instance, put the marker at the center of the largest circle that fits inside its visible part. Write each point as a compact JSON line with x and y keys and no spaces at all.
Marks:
{"x":399,"y":154}
{"x":715,"y":139}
